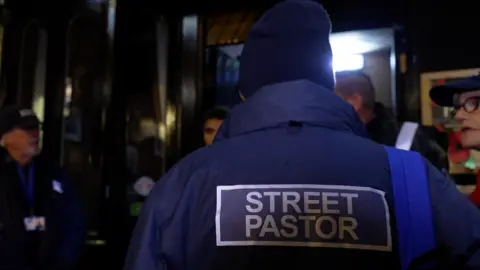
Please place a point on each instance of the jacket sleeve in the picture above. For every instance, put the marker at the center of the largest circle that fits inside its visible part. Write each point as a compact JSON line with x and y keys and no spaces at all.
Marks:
{"x":156,"y":242}
{"x":73,"y":224}
{"x":456,"y":219}
{"x":430,"y":149}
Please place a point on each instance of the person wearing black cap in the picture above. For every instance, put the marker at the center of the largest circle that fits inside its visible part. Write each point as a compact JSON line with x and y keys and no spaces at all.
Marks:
{"x":291,"y":179}
{"x":464,"y":96}
{"x":41,"y":223}
{"x":19,"y":132}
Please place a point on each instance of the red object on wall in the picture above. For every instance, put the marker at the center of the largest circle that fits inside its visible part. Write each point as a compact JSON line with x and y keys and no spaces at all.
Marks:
{"x":439,"y":82}
{"x":440,"y":128}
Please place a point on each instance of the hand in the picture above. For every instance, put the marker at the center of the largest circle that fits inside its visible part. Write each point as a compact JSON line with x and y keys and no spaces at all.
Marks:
{"x":19,"y":145}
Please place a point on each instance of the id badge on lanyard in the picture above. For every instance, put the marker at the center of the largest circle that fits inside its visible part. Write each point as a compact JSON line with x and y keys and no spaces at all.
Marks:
{"x":32,"y":222}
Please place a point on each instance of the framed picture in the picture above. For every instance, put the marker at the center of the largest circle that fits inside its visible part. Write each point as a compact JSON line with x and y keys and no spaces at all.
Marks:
{"x":461,"y":161}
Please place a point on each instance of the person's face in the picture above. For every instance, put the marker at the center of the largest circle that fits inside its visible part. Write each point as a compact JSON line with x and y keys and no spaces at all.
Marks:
{"x":35,"y":135}
{"x":210,"y":129}
{"x":468,"y":115}
{"x":344,"y":84}
{"x":355,"y":100}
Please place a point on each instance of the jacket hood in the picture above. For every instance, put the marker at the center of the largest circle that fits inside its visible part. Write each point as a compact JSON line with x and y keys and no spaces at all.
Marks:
{"x":290,"y":42}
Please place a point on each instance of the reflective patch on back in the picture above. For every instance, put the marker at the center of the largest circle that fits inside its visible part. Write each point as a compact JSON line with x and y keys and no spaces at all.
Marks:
{"x":25,"y":112}
{"x":303,"y":216}
{"x":57,"y":186}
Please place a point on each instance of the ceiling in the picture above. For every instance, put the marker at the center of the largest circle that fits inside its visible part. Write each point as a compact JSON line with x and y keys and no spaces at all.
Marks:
{"x":360,"y":42}
{"x":229,"y":28}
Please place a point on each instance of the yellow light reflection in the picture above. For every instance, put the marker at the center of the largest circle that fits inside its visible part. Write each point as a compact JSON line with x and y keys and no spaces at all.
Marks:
{"x":149,"y":127}
{"x":68,"y":98}
{"x":39,"y":110}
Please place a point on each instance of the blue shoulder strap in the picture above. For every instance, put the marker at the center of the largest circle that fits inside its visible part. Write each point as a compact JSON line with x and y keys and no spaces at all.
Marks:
{"x":413,"y":210}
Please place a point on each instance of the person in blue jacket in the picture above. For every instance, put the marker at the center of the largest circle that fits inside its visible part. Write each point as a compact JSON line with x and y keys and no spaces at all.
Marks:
{"x":292,"y":181}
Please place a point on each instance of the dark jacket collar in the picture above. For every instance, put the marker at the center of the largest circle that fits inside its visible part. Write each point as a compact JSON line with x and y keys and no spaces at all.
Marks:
{"x":300,"y":101}
{"x":383,"y":128}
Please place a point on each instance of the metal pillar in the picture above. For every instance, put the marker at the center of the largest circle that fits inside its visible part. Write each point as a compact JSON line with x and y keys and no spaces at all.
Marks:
{"x":114,"y":171}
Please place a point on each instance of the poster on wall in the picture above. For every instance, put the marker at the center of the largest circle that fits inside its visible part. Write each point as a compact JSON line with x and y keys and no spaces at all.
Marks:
{"x":461,"y":161}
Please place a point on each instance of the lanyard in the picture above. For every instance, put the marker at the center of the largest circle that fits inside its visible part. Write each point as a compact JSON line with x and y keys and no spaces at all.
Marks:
{"x":27,"y":185}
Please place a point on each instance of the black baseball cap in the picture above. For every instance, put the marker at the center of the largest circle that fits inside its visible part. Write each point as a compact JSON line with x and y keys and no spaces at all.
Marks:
{"x":443,"y":95}
{"x":13,"y":117}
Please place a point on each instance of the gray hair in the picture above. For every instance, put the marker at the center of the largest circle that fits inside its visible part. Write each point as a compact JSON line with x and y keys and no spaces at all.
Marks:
{"x":349,"y":83}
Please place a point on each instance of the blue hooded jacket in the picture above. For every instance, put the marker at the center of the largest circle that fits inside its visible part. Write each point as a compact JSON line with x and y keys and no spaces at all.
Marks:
{"x":291,"y":180}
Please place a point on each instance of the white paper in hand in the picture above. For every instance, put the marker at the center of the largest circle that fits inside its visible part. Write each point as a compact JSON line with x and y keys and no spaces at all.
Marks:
{"x":406,"y":136}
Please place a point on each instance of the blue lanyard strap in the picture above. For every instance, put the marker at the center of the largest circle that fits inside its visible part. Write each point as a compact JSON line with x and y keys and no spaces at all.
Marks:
{"x":27,"y":185}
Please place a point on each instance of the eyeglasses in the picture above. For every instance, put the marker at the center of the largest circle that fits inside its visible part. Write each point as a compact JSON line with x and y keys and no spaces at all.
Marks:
{"x":470,"y":105}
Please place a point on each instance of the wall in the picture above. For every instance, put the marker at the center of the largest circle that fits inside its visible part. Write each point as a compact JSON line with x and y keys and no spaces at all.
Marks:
{"x":377,"y":66}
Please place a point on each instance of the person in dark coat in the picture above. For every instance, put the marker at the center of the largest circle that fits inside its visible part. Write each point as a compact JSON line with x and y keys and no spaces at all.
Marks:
{"x":357,"y":89}
{"x":41,"y":224}
{"x":292,"y":181}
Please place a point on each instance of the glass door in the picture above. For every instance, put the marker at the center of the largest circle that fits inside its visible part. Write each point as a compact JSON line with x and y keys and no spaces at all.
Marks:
{"x":85,"y":101}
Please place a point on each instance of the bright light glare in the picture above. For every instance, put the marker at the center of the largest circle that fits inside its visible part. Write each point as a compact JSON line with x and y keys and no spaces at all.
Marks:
{"x":345,"y":62}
